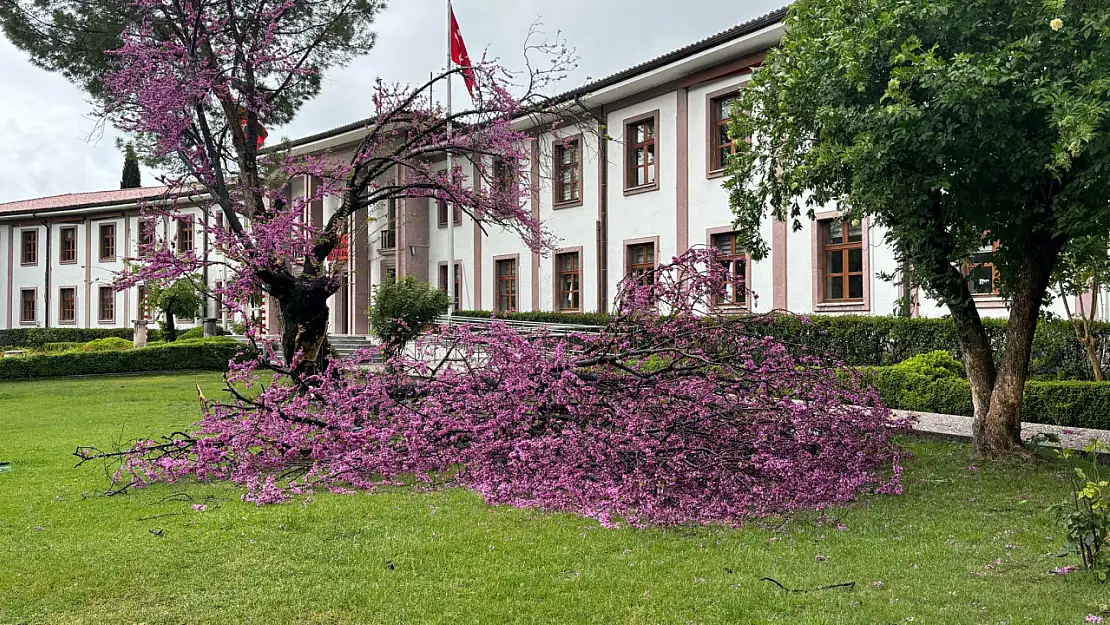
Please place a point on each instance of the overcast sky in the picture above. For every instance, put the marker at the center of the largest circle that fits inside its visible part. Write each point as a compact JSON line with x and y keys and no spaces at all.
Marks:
{"x":50,"y":143}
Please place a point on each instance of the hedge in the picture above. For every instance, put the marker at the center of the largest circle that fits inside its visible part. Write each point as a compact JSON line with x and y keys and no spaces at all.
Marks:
{"x":37,"y":338}
{"x":1069,"y":403}
{"x":872,"y":341}
{"x":203,"y":355}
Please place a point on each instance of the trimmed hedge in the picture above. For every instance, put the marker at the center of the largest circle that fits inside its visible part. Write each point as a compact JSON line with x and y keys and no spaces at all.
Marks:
{"x":37,"y":338}
{"x":866,"y":341}
{"x":204,"y":355}
{"x":1068,"y":403}
{"x":580,"y":319}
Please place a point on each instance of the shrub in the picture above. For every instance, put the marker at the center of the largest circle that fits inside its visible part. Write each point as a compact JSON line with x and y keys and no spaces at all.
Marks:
{"x":198,"y":333}
{"x":401,"y":308}
{"x":37,"y":338}
{"x":54,"y":348}
{"x":933,"y":365}
{"x":1086,"y":516}
{"x":203,"y":355}
{"x":1070,"y":403}
{"x":110,"y":344}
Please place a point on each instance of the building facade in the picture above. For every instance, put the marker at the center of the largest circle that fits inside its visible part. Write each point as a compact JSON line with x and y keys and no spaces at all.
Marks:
{"x":640,"y":184}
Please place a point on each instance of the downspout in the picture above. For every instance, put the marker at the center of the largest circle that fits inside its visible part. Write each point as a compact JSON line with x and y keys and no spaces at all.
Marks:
{"x":602,"y":229}
{"x":46,"y":273}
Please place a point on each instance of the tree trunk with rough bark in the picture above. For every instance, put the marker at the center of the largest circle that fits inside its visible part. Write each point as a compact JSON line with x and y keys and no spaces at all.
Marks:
{"x":303,"y":303}
{"x":998,"y":431}
{"x":170,"y":329}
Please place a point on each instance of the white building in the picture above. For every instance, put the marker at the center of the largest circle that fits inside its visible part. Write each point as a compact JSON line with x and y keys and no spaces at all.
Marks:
{"x":60,"y":254}
{"x":646,"y":194}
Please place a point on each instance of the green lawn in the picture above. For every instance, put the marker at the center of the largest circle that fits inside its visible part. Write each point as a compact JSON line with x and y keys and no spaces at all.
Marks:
{"x":69,"y":555}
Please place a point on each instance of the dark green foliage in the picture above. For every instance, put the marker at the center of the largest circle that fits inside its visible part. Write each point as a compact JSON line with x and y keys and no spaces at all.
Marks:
{"x":132,"y":177}
{"x":37,"y":338}
{"x":1069,"y":403}
{"x":581,"y":319}
{"x":198,"y":333}
{"x":402,"y":308}
{"x":181,"y":298}
{"x":187,"y":355}
{"x":110,"y":344}
{"x":56,"y":348}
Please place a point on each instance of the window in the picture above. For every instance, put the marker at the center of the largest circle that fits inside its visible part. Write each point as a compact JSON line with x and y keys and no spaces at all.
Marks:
{"x":640,"y":145}
{"x":67,"y":305}
{"x":735,"y":261}
{"x":29,"y":252}
{"x":506,"y":285}
{"x":106,"y":307}
{"x":27,"y":301}
{"x":146,"y":237}
{"x":641,"y":263}
{"x":503,"y":175}
{"x":108,"y":242}
{"x":842,"y":260}
{"x":568,"y":172}
{"x":720,"y":145}
{"x":568,"y":289}
{"x":219,"y":295}
{"x":144,"y":304}
{"x":981,"y":273}
{"x":184,"y":235}
{"x":441,"y":213}
{"x":443,"y":282}
{"x":67,"y":251}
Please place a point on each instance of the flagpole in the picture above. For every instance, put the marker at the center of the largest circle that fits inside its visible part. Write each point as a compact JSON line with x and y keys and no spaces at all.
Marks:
{"x":450,"y":179}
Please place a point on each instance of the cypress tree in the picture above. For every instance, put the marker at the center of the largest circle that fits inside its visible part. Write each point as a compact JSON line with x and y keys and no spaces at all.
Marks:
{"x":131,"y":177}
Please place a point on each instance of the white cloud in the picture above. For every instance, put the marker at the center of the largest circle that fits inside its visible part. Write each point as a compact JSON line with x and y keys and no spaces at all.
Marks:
{"x":50,"y":145}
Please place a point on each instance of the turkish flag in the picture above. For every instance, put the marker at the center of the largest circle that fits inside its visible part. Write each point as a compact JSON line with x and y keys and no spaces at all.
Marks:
{"x":460,"y":57}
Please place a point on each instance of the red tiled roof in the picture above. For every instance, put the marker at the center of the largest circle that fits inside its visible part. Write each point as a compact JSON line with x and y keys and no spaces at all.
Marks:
{"x":82,"y":200}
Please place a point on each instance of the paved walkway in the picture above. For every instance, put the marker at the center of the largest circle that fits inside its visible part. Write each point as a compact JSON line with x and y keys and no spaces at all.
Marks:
{"x":960,"y":427}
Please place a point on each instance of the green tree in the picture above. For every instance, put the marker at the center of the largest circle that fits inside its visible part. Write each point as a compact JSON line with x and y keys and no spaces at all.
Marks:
{"x":401,"y":308}
{"x":1082,"y":271}
{"x":952,"y":124}
{"x":180,"y":298}
{"x":132,"y":178}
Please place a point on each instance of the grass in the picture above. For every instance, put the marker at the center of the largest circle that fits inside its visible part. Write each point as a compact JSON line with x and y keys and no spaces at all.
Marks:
{"x":69,"y":555}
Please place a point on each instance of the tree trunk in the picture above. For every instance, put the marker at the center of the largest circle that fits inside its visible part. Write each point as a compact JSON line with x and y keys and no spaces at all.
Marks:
{"x":976,"y":349}
{"x":998,"y":431}
{"x":171,"y":329}
{"x":304,"y":311}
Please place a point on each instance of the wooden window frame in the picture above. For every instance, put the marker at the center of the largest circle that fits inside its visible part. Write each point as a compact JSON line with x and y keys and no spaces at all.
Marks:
{"x":62,"y":260}
{"x":967,"y":266}
{"x":845,"y":249}
{"x":820,"y":283}
{"x":735,"y":254}
{"x":34,"y":247}
{"x":106,"y":254}
{"x":559,"y":273}
{"x":100,"y":317}
{"x":559,"y":150}
{"x":23,"y":320}
{"x":62,"y":320}
{"x":444,"y":276}
{"x":630,"y":188}
{"x":186,"y":225}
{"x":512,"y":260}
{"x":441,"y":213}
{"x":714,"y":168}
{"x":147,"y":227}
{"x":629,"y":244}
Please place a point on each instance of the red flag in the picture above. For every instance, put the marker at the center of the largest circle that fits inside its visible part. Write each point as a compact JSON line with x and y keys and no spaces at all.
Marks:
{"x":460,"y":57}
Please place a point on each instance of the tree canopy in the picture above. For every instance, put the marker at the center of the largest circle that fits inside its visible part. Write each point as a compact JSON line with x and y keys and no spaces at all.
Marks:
{"x":952,"y":124}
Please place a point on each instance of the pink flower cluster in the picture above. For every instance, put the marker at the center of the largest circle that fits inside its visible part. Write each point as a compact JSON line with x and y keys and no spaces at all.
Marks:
{"x":682,"y":417}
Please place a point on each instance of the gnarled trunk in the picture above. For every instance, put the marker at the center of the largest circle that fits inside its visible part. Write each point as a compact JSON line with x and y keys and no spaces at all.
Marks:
{"x":170,"y":331}
{"x":304,"y":309}
{"x":998,"y":431}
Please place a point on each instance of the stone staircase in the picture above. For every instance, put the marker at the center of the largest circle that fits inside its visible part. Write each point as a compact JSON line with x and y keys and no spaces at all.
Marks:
{"x":344,"y":345}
